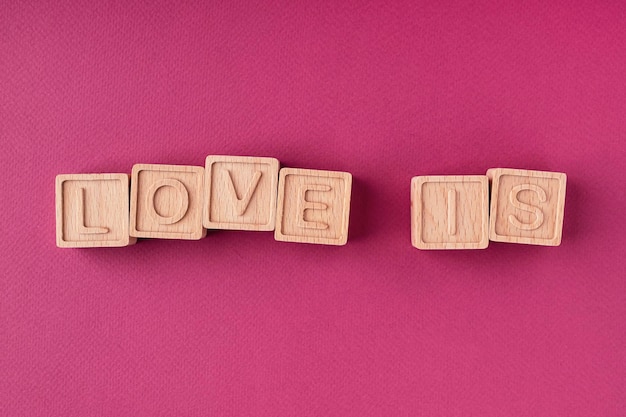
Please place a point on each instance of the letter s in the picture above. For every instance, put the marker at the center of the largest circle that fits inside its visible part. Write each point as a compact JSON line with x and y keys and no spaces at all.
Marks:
{"x":527,"y":207}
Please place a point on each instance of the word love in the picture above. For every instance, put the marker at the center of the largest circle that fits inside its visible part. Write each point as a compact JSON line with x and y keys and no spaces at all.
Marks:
{"x":452,"y":212}
{"x":181,"y":202}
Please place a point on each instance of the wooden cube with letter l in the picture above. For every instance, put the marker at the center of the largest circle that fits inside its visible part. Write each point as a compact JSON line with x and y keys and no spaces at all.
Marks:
{"x":92,"y":210}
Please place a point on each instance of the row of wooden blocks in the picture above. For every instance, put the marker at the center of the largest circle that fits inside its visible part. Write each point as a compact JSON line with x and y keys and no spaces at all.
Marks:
{"x":453,"y":212}
{"x":300,"y":205}
{"x":181,"y":202}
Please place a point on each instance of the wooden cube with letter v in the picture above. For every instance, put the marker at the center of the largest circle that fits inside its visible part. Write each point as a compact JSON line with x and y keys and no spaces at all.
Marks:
{"x":313,"y":206}
{"x":527,"y":206}
{"x":240,"y":192}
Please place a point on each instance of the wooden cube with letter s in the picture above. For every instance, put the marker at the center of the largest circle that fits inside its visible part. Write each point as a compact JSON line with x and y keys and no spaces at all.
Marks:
{"x":527,"y":206}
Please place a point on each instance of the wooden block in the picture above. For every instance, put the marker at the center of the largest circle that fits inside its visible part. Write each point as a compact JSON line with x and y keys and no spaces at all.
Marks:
{"x":313,"y":206}
{"x":166,"y":202}
{"x":240,"y":192}
{"x":92,"y":210}
{"x":450,"y":212}
{"x":527,"y":206}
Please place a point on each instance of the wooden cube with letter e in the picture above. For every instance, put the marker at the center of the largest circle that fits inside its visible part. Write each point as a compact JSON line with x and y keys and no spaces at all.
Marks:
{"x":313,"y":206}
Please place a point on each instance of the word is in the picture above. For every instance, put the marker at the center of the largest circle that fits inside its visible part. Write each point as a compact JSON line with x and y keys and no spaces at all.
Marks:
{"x":452,"y":212}
{"x":181,"y":202}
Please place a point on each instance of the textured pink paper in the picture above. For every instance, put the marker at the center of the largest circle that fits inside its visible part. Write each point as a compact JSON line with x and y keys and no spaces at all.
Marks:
{"x":240,"y":325}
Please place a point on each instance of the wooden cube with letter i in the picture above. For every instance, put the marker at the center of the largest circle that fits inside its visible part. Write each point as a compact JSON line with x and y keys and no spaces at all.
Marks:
{"x":450,"y":212}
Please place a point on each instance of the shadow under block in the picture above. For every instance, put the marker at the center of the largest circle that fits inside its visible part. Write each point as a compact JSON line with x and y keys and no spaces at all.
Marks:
{"x":92,"y":210}
{"x":313,"y":206}
{"x":166,"y":202}
{"x":450,"y":212}
{"x":527,"y":206}
{"x":240,"y":192}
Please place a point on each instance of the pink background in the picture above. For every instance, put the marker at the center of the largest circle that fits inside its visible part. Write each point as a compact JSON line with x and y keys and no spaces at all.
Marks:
{"x":240,"y":325}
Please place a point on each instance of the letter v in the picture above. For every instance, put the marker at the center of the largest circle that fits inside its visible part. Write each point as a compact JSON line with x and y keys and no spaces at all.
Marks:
{"x":241,"y":204}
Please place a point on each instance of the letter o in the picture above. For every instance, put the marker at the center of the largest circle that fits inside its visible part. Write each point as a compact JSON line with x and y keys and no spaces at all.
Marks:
{"x":183,"y":198}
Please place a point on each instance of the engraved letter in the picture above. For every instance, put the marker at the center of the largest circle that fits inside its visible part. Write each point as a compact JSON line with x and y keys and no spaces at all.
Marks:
{"x":451,"y":212}
{"x":183,"y":200}
{"x":527,"y":207}
{"x":304,"y":204}
{"x":82,"y":229}
{"x":241,"y":204}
